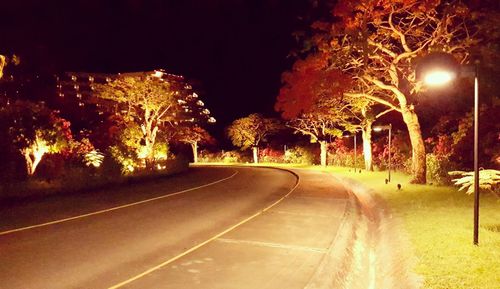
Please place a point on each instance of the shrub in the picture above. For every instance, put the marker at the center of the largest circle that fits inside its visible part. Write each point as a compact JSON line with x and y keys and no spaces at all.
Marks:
{"x":234,"y":157}
{"x":489,"y":180}
{"x":269,"y":155}
{"x":299,"y":155}
{"x":439,"y":161}
{"x":400,"y":153}
{"x":437,"y":169}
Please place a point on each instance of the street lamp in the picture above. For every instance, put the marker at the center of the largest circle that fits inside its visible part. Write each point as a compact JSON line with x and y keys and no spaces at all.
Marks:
{"x":438,"y":69}
{"x":355,"y":149}
{"x":389,"y":128}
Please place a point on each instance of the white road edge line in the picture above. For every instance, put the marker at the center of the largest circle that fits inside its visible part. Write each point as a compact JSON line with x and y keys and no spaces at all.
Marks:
{"x":115,"y":208}
{"x":272,"y":245}
{"x":159,"y":266}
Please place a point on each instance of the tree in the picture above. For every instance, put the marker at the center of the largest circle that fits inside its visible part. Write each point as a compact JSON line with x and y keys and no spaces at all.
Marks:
{"x":193,"y":135}
{"x":2,"y":65}
{"x":378,"y":42}
{"x":251,"y":131}
{"x":34,"y":130}
{"x":147,"y":101}
{"x":312,"y":99}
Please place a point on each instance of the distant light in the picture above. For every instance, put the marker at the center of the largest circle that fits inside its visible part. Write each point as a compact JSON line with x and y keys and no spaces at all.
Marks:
{"x":377,"y":128}
{"x":158,"y":74}
{"x":438,"y":77}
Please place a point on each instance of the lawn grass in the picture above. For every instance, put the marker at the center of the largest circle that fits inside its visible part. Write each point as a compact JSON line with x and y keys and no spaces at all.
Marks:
{"x":438,"y":220}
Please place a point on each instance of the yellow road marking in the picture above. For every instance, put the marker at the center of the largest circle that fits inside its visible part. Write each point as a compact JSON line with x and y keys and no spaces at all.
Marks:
{"x":159,"y":266}
{"x":114,"y":208}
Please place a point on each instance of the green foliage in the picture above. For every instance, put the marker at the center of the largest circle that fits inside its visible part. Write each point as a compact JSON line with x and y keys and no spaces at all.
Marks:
{"x":489,"y":180}
{"x":93,"y":158}
{"x":299,"y":155}
{"x":25,"y":122}
{"x":234,"y":157}
{"x":33,"y":130}
{"x":193,"y":134}
{"x":438,"y":168}
{"x":250,"y":131}
{"x":147,"y":104}
{"x":142,"y":95}
{"x":130,"y":150}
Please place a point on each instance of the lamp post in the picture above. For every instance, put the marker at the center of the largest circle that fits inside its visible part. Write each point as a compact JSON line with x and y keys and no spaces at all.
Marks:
{"x":355,"y":149}
{"x":389,"y":128}
{"x":438,"y":69}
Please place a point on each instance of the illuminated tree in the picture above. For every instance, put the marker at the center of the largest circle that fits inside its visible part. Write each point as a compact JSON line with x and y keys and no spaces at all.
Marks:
{"x":378,"y":43}
{"x":193,"y":135}
{"x":129,"y":150}
{"x":34,"y":130}
{"x":2,"y":65}
{"x":4,"y":61}
{"x":251,"y":131}
{"x":312,"y":98}
{"x":145,"y":100}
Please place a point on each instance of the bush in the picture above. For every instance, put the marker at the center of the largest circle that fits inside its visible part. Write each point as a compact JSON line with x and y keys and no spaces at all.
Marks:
{"x":400,"y":153}
{"x":299,"y":155}
{"x":269,"y":155}
{"x":438,"y":168}
{"x":339,"y":154}
{"x":234,"y":157}
{"x":79,"y":178}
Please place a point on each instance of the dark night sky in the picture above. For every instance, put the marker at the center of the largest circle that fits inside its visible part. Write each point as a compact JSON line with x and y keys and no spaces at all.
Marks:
{"x":235,"y":49}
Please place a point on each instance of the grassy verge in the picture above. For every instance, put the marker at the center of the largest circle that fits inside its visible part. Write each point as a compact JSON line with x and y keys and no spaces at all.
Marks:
{"x":438,"y":220}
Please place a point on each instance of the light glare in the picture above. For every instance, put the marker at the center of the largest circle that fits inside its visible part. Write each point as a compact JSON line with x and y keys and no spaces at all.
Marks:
{"x":438,"y":77}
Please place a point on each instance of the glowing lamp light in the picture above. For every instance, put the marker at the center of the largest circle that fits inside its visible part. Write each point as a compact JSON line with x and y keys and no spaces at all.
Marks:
{"x":158,"y":73}
{"x":438,"y":77}
{"x":377,"y":128}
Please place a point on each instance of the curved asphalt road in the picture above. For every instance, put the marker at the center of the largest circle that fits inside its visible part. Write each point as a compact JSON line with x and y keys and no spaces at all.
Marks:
{"x":103,"y":249}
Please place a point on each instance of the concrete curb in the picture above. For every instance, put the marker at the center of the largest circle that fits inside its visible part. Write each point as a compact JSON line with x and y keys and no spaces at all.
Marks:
{"x":332,"y":270}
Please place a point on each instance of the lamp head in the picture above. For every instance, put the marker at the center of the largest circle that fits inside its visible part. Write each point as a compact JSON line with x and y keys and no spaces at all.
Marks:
{"x":437,"y":69}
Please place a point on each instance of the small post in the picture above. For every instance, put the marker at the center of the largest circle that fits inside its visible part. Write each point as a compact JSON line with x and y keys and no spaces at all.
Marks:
{"x":390,"y":132}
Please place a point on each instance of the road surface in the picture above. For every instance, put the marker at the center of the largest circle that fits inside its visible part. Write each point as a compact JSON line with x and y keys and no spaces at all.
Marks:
{"x":210,"y":228}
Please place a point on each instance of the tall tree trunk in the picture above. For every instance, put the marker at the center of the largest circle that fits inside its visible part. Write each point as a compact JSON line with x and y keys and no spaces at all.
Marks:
{"x":150,"y":157}
{"x":33,"y":155}
{"x":255,"y":151}
{"x":29,"y":162}
{"x":194,"y":146}
{"x":366,"y":134}
{"x":2,"y":65}
{"x":323,"y":145}
{"x":417,"y":143}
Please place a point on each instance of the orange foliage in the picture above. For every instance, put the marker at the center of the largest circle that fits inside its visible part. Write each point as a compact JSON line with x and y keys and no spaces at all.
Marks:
{"x":309,"y":82}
